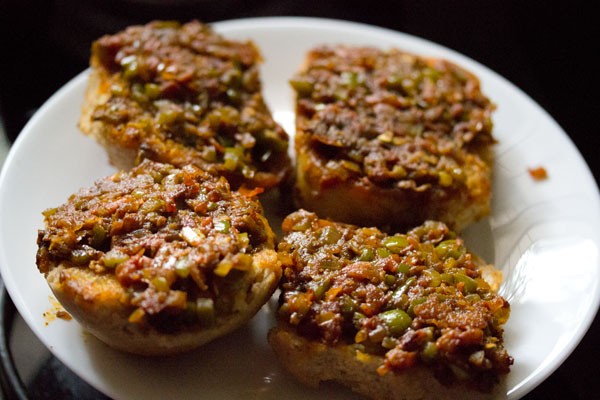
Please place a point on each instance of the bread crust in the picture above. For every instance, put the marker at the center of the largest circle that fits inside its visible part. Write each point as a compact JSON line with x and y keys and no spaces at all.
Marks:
{"x":97,"y":93}
{"x":99,"y":303}
{"x":313,"y":363}
{"x":361,"y":202}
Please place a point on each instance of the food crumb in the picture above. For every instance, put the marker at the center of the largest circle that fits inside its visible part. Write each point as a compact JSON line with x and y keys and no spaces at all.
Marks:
{"x":55,"y":311}
{"x":62,"y":314}
{"x":538,"y":173}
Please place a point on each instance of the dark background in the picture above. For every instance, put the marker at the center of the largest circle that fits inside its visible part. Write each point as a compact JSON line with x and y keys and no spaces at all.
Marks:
{"x":547,"y":48}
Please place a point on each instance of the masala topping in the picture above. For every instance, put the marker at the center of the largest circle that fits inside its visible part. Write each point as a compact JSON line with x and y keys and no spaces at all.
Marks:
{"x":400,"y":120}
{"x":177,"y":240}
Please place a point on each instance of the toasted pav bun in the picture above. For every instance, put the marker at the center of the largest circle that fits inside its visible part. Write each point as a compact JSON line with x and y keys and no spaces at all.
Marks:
{"x":159,"y":260}
{"x":183,"y":94}
{"x":404,"y":316}
{"x":391,"y":139}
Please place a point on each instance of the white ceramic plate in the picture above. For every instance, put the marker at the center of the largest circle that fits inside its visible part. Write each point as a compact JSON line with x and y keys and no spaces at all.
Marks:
{"x":543,"y":235}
